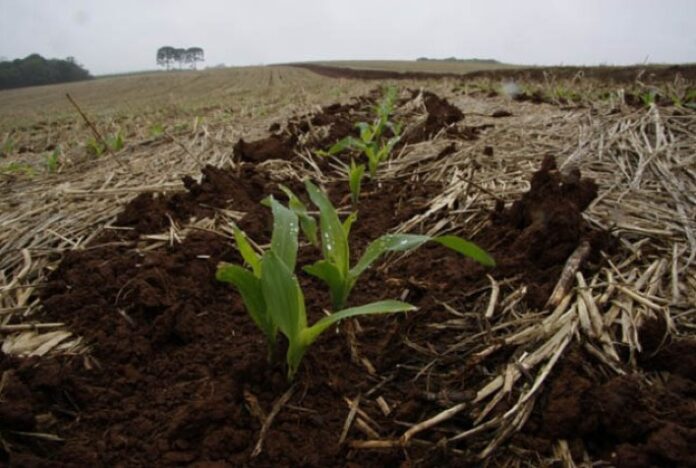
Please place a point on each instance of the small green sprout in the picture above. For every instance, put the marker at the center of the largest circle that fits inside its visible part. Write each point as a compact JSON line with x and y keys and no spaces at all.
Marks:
{"x":18,"y":168}
{"x":52,"y":160}
{"x":688,"y":99}
{"x":372,"y":142}
{"x":648,"y":98}
{"x":95,"y":147}
{"x":355,"y":175}
{"x":272,"y":294}
{"x":156,"y":130}
{"x":7,"y":147}
{"x":115,"y":142}
{"x":335,"y":270}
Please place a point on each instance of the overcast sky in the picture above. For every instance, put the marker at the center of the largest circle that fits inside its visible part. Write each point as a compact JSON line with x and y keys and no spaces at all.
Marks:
{"x":124,"y":35}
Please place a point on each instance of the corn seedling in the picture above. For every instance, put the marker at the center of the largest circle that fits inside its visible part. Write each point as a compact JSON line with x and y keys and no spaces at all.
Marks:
{"x":115,"y":142}
{"x":372,"y":142}
{"x":272,"y":294}
{"x":307,"y":223}
{"x":689,"y":99}
{"x":6,"y":147}
{"x":355,"y":175}
{"x":648,"y":98}
{"x":95,"y":147}
{"x":334,"y":269}
{"x":18,"y":168}
{"x":156,"y":130}
{"x":287,"y":308}
{"x":249,"y":281}
{"x":52,"y":160}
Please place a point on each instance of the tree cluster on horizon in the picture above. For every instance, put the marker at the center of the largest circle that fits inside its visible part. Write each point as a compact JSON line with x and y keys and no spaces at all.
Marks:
{"x":167,"y":56}
{"x":34,"y":70}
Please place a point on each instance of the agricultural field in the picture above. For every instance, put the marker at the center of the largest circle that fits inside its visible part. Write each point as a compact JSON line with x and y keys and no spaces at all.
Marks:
{"x":420,"y":66}
{"x":268,"y":266}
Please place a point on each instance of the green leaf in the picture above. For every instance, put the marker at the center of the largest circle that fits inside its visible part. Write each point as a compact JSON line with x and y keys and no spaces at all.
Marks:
{"x":366,"y":133}
{"x":345,"y":143}
{"x":395,"y":128}
{"x":285,"y":231}
{"x":334,"y":242}
{"x":386,"y":243}
{"x":383,"y":307}
{"x":285,"y":305}
{"x":281,"y":291}
{"x":466,"y":248}
{"x":307,"y":223}
{"x":249,"y":287}
{"x":355,"y":176}
{"x":328,"y":273}
{"x":348,"y":223}
{"x":247,"y":251}
{"x":391,"y":143}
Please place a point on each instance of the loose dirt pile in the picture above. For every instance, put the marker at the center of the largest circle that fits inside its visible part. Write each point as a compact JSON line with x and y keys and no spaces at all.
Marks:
{"x":622,"y":419}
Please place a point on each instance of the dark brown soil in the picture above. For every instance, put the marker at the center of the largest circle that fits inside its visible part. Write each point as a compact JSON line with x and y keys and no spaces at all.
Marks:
{"x":177,"y":372}
{"x":648,"y":73}
{"x":218,"y":188}
{"x":273,"y":147}
{"x":532,"y":238}
{"x":621,"y":418}
{"x":441,"y":114}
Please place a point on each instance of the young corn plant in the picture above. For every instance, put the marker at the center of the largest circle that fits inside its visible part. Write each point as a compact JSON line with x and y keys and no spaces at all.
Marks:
{"x":648,"y":98}
{"x":115,"y":141}
{"x":335,"y":270}
{"x":273,"y":297}
{"x":18,"y":168}
{"x":52,"y":160}
{"x":156,"y":130}
{"x":355,"y":175}
{"x":307,"y":223}
{"x":6,"y":147}
{"x":286,"y":306}
{"x":95,"y":147}
{"x":248,"y":281}
{"x":372,"y":142}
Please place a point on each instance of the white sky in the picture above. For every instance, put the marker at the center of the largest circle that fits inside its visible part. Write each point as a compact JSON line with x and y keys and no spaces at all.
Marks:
{"x":123,"y":35}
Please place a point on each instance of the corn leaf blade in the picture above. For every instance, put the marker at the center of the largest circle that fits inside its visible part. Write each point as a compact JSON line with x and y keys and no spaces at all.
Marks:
{"x":249,"y":287}
{"x":386,"y":243}
{"x":345,"y":143}
{"x":357,"y":171}
{"x":285,"y":231}
{"x":381,"y":307}
{"x":307,"y":223}
{"x":334,"y":241}
{"x":247,"y":251}
{"x":328,"y":273}
{"x":366,"y":133}
{"x":281,"y":291}
{"x":466,"y":248}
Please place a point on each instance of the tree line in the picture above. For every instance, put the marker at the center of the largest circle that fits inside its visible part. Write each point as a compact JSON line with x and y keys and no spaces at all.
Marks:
{"x":34,"y":70}
{"x":167,"y":56}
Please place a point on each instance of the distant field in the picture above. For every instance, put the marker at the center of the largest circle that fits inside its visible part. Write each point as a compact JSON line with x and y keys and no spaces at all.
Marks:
{"x":425,"y":66}
{"x":144,"y":92}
